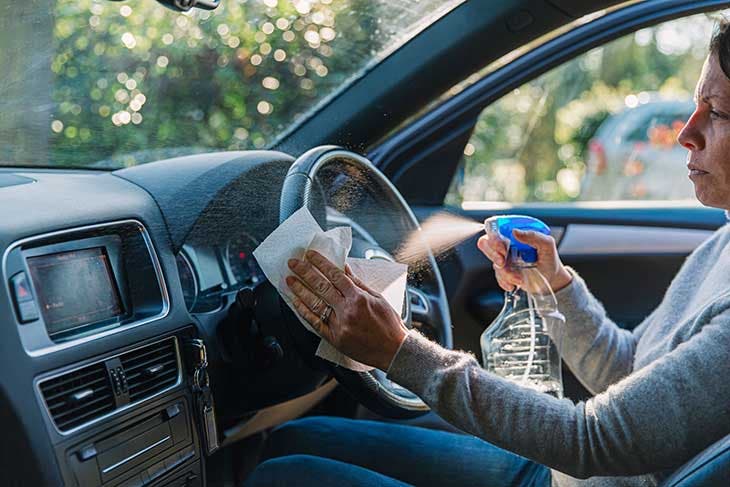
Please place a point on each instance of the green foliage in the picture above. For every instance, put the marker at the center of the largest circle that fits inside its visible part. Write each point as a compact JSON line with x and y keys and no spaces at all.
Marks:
{"x":532,"y":145}
{"x":135,"y":82}
{"x":582,"y":135}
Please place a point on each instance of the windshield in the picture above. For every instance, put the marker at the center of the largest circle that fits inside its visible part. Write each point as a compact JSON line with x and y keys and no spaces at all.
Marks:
{"x":102,"y":84}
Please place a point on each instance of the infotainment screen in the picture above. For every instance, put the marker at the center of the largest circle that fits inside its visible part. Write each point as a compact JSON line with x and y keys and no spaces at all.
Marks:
{"x":75,"y":289}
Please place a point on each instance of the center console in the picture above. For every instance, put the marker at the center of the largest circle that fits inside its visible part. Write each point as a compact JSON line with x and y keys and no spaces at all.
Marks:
{"x":156,"y":447}
{"x":126,"y":418}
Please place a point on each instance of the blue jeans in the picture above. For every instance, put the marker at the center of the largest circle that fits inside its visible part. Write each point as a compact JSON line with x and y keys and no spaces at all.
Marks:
{"x":330,"y":451}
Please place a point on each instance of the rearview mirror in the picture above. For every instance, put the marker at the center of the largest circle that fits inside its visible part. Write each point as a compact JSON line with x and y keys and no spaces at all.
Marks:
{"x":185,"y":5}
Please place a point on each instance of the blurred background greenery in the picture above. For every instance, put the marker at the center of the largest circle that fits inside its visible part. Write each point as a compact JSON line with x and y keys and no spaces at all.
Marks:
{"x":133,"y":81}
{"x":534,"y":144}
{"x":232,"y":78}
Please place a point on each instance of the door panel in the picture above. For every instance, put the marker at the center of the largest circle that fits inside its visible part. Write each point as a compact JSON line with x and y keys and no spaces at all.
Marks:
{"x":582,"y":240}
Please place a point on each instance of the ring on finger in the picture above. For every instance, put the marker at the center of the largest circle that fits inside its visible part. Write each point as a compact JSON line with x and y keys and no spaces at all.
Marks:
{"x":325,"y":314}
{"x":317,"y":304}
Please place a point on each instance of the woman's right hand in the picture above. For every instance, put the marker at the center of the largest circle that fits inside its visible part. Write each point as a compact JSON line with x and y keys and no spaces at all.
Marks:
{"x":548,"y":261}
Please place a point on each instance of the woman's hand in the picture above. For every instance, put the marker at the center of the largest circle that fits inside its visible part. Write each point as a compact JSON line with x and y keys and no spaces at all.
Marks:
{"x":548,"y":261}
{"x":361,"y":324}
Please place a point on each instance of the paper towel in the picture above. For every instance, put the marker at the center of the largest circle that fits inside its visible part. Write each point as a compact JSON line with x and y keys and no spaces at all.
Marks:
{"x":387,"y":278}
{"x":301,"y":232}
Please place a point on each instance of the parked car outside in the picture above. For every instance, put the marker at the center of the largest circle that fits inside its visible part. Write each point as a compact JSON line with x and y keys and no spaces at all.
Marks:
{"x":635,"y":155}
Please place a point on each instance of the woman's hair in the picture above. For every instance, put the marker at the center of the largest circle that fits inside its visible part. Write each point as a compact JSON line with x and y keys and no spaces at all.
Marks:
{"x":720,"y":45}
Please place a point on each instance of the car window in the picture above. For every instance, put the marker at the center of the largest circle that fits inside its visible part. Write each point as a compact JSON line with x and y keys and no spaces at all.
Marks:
{"x":600,"y":127}
{"x":103,"y":84}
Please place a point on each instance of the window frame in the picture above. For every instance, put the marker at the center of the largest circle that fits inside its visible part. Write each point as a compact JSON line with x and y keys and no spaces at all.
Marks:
{"x":414,"y":148}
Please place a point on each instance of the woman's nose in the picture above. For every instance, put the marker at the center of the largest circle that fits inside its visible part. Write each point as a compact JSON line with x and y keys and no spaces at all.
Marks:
{"x":690,"y":137}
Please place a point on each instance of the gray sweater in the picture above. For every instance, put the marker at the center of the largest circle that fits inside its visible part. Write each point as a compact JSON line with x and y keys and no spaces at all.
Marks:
{"x":662,"y":391}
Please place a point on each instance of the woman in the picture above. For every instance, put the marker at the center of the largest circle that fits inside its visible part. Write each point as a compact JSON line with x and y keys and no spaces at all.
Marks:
{"x":662,"y":392}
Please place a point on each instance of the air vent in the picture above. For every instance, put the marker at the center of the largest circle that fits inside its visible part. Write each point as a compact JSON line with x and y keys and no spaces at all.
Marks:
{"x":78,"y":397}
{"x":150,"y":369}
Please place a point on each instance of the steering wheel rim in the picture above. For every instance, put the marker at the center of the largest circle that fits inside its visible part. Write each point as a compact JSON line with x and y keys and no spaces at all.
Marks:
{"x":371,"y":389}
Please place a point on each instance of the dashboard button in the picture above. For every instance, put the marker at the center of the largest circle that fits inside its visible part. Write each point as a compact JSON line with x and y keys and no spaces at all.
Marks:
{"x":156,"y":470}
{"x":172,"y":461}
{"x":87,"y":452}
{"x":136,"y":481}
{"x":21,"y":288}
{"x":28,"y":311}
{"x":172,"y":411}
{"x":187,"y":454}
{"x":24,"y":302}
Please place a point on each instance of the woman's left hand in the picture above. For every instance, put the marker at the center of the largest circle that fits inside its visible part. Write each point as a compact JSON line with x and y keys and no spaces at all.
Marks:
{"x":361,"y":323}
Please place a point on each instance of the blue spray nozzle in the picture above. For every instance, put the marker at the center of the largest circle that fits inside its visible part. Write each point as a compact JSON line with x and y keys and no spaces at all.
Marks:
{"x":505,"y":224}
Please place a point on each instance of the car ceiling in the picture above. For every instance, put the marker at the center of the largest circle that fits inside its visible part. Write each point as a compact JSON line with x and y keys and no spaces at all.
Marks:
{"x":462,"y":42}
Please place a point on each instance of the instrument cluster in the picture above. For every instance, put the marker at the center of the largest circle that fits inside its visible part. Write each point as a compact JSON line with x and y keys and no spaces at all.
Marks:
{"x":210,"y":273}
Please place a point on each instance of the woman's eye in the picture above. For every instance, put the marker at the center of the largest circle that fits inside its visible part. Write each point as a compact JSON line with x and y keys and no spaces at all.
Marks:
{"x":716,"y":114}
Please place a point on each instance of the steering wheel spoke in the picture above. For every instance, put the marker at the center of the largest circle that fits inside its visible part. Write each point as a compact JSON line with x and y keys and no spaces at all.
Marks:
{"x":420,"y":305}
{"x":427,"y":315}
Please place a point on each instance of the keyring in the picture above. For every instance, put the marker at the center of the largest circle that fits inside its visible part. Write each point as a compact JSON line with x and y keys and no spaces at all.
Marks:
{"x":201,"y":379}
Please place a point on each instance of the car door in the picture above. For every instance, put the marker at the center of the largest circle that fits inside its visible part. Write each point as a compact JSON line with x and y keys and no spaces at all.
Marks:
{"x":519,"y":139}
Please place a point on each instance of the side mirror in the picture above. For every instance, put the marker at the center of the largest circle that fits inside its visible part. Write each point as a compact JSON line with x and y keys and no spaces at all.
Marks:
{"x":185,"y":5}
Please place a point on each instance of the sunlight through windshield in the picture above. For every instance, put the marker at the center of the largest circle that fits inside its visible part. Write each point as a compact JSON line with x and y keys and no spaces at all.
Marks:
{"x":96,"y":83}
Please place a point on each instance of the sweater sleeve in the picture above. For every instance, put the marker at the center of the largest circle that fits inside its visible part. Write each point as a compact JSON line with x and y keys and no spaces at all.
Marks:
{"x":598,"y":351}
{"x":654,"y":419}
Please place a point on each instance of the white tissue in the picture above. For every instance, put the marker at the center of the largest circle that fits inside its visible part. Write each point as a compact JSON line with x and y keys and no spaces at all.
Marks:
{"x":301,"y":232}
{"x":387,"y":278}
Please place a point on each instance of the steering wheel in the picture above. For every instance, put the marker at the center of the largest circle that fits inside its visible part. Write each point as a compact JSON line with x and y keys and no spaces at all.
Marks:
{"x":341,"y":187}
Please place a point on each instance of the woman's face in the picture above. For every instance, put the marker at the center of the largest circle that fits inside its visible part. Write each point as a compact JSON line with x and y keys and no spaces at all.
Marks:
{"x":707,"y":136}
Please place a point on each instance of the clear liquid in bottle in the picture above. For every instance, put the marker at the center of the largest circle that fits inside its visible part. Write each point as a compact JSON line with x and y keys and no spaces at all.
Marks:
{"x":522,"y":344}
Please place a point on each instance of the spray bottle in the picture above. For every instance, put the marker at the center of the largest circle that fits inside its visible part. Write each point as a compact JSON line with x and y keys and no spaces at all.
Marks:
{"x":522,"y":344}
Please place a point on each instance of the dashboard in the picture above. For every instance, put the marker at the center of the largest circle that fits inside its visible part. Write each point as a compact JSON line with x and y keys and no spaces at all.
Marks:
{"x":111,"y":283}
{"x":140,"y":331}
